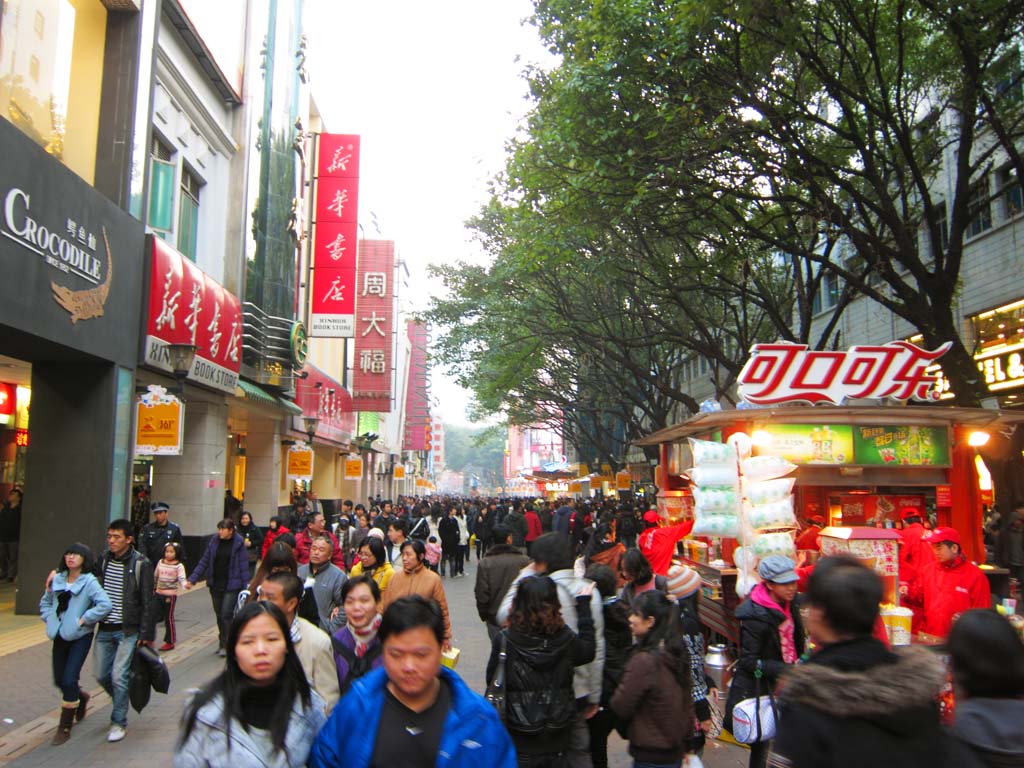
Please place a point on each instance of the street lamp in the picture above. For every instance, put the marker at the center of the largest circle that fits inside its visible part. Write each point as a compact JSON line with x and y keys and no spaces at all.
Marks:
{"x":181,"y":357}
{"x":311,"y":423}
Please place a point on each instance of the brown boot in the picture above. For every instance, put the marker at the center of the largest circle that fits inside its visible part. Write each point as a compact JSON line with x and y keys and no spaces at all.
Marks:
{"x":67,"y":719}
{"x":83,"y":702}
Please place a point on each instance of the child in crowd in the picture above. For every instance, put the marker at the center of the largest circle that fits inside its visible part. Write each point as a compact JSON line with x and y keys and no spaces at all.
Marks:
{"x":170,"y":580}
{"x":433,"y":553}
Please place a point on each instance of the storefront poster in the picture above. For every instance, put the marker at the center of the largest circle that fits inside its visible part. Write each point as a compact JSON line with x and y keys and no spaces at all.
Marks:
{"x":869,"y":509}
{"x":354,"y":469}
{"x":300,"y":462}
{"x":399,"y":472}
{"x":806,"y":443}
{"x":623,"y":481}
{"x":159,"y":423}
{"x":901,"y":445}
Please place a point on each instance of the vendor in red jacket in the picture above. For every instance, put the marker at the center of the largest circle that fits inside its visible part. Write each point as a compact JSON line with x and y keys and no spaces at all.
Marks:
{"x":808,"y":539}
{"x":915,"y":554}
{"x":659,"y":544}
{"x":947,"y":586}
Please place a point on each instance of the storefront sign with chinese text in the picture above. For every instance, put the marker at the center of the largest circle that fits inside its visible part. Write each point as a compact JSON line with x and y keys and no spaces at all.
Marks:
{"x":332,"y":294}
{"x":159,"y":423}
{"x":300,"y":462}
{"x":371,"y":379}
{"x":187,"y":306}
{"x":399,"y":472}
{"x":323,"y":396}
{"x":790,"y":373}
{"x":353,"y":469}
{"x":901,"y":446}
{"x":623,"y":481}
{"x":417,"y":401}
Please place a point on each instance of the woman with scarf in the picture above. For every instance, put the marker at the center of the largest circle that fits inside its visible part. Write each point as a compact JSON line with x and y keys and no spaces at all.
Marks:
{"x":356,"y":647}
{"x":73,"y":603}
{"x":771,"y":638}
{"x":637,"y":576}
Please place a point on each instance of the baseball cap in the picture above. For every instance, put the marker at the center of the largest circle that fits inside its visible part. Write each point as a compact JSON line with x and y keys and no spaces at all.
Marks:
{"x":940,"y":535}
{"x":683,"y":581}
{"x":908,"y":512}
{"x":817,"y":519}
{"x":651,"y":516}
{"x":159,"y":506}
{"x":777,"y":568}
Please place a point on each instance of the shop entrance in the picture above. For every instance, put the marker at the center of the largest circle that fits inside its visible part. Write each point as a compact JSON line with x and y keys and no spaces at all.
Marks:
{"x":15,"y":396}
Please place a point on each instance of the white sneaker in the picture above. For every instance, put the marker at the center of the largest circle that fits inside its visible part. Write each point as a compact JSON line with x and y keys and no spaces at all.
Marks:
{"x":117,"y":732}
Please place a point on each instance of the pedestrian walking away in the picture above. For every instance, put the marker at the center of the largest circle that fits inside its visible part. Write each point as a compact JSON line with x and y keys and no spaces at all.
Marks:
{"x":495,"y":573}
{"x":260,"y":711}
{"x":72,"y":605}
{"x":127,"y":578}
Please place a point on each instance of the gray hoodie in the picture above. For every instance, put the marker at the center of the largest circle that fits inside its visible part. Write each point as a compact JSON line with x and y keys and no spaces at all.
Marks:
{"x":991,"y":728}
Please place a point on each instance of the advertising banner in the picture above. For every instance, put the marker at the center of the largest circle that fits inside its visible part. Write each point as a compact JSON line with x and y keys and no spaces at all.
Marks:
{"x":399,"y":472}
{"x":300,"y":462}
{"x":353,"y":468}
{"x":159,"y":423}
{"x":417,"y":402}
{"x":623,"y":481}
{"x":805,"y":443}
{"x":868,"y":509}
{"x":187,"y":306}
{"x":332,"y":294}
{"x":371,"y":378}
{"x":901,"y":445}
{"x":8,"y":402}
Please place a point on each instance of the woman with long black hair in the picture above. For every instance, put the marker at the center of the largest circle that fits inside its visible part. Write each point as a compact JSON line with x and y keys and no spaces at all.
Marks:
{"x":260,"y":711}
{"x":655,"y":695}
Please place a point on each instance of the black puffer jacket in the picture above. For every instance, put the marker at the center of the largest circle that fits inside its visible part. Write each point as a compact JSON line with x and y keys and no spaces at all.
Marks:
{"x":856,"y":704}
{"x":540,"y":705}
{"x":759,"y":641}
{"x":618,"y":645}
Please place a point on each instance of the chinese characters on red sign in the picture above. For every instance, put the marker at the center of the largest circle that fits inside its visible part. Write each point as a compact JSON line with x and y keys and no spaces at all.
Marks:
{"x":371,"y":379}
{"x":324,"y":397}
{"x":187,"y":306}
{"x":336,"y":189}
{"x":417,"y":401}
{"x":788,"y":373}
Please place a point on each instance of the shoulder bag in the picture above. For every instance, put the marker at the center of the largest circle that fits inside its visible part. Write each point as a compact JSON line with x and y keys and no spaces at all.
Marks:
{"x":753,"y":720}
{"x":496,"y":690}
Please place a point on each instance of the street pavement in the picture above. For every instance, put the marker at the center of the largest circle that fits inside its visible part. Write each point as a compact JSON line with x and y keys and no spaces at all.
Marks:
{"x":29,"y":709}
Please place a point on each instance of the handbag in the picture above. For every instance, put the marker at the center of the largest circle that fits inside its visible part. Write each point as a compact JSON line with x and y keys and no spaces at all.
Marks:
{"x":753,"y":720}
{"x":496,"y":690}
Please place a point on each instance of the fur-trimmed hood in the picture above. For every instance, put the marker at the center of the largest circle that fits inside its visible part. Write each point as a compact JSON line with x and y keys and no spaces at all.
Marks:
{"x":861,"y":678}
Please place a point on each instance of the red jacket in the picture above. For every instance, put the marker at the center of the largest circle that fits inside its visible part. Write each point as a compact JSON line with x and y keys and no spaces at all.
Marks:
{"x":533,"y":527}
{"x":269,"y":538}
{"x":659,"y":544}
{"x":947,"y":590}
{"x":304,"y":541}
{"x":809,"y":538}
{"x":915,"y":554}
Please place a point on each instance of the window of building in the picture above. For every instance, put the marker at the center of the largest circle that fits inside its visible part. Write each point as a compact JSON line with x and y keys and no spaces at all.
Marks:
{"x":51,"y":76}
{"x":827,"y":295}
{"x":161,"y":189}
{"x":979,"y":208}
{"x":1009,"y":87}
{"x":188,"y":215}
{"x":1010,"y":192}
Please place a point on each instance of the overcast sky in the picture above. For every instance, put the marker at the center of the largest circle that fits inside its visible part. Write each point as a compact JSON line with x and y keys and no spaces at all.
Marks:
{"x":435,"y":90}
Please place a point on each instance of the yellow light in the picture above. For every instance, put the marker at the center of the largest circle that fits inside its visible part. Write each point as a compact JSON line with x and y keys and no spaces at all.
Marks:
{"x":977,"y":439}
{"x":984,"y":478}
{"x":762,"y":437}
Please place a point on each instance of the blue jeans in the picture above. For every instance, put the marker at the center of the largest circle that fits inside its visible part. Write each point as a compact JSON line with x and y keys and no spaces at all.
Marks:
{"x":114,"y":651}
{"x":68,"y":658}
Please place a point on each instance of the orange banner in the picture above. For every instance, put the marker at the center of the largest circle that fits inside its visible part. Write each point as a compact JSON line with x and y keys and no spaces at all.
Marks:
{"x":399,"y":472}
{"x":353,"y":469}
{"x":159,"y":426}
{"x":300,"y":463}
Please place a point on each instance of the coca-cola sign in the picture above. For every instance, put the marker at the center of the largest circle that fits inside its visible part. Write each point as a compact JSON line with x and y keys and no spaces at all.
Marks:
{"x":790,"y":373}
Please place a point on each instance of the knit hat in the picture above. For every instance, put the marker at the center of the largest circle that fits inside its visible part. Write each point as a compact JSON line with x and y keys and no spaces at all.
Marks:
{"x":376,"y":532}
{"x":683,"y":581}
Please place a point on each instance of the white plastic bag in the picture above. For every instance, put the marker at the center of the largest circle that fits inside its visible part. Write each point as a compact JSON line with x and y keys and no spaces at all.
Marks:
{"x":758,"y":468}
{"x":715,"y":497}
{"x":767,"y":491}
{"x":711,"y":524}
{"x":707,"y":452}
{"x":721,"y":475}
{"x":766,"y":544}
{"x":778,"y":514}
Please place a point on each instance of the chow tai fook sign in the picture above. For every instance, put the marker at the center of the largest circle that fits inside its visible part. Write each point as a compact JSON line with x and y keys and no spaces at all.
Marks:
{"x":187,"y":306}
{"x":789,"y":373}
{"x":375,"y":310}
{"x":332,"y":295}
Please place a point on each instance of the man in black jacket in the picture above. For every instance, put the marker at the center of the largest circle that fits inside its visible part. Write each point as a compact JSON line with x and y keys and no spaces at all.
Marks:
{"x":127,"y":578}
{"x":494,"y":575}
{"x":158,"y":534}
{"x":855,"y":703}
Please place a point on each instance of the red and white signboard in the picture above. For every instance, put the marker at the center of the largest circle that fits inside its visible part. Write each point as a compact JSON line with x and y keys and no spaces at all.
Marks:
{"x":790,"y":373}
{"x":371,"y":378}
{"x":322,"y":396}
{"x":417,"y":402}
{"x":187,"y":306}
{"x":336,"y":190}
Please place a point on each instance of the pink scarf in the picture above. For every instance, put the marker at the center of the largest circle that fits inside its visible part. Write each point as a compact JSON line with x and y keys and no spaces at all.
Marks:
{"x":763,"y":597}
{"x":364,"y":636}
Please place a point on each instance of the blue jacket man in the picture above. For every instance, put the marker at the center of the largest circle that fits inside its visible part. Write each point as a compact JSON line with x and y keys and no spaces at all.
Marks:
{"x":412,"y":704}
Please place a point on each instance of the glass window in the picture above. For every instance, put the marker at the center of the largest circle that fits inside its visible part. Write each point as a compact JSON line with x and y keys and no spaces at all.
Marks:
{"x":188,"y":215}
{"x":979,"y":208}
{"x":51,"y":75}
{"x":1010,"y":192}
{"x":161,"y":188}
{"x":827,"y":295}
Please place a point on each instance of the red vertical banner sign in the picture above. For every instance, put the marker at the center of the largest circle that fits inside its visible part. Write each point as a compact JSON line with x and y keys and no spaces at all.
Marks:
{"x":332,"y":294}
{"x":375,"y":314}
{"x":417,"y":404}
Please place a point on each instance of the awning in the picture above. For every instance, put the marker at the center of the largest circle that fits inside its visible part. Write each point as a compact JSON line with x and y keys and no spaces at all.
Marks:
{"x":249,"y":391}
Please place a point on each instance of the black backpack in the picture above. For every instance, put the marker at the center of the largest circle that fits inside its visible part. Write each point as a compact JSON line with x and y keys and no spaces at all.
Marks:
{"x":357,"y":665}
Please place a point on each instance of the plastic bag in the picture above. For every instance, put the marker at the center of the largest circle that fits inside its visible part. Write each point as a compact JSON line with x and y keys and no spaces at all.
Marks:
{"x":707,"y":452}
{"x":725,"y":525}
{"x":721,"y":475}
{"x":778,"y":514}
{"x":767,"y":491}
{"x":774,"y":544}
{"x":716,"y":498}
{"x":758,"y":468}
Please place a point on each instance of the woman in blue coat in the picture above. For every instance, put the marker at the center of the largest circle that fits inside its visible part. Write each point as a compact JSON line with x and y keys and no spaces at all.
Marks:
{"x":71,"y":606}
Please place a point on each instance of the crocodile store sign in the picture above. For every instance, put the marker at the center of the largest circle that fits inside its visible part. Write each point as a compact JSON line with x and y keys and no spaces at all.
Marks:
{"x":70,"y":257}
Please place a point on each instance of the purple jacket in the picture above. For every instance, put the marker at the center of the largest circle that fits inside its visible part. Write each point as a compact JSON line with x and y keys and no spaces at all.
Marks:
{"x":238,"y":568}
{"x":345,"y":639}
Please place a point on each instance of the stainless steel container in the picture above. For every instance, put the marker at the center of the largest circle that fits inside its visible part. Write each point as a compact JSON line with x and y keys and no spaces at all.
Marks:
{"x":718,"y":666}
